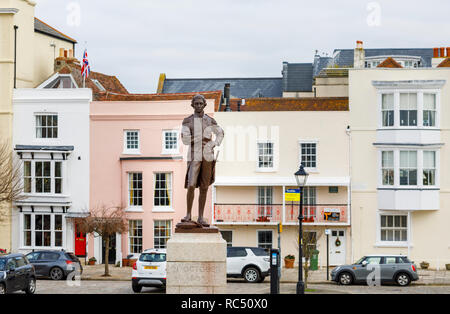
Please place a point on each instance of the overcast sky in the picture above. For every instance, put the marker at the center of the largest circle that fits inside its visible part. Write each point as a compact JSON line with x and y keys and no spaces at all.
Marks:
{"x":136,"y":40}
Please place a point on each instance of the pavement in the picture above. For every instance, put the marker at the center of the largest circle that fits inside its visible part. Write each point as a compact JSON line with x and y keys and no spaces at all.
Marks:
{"x":47,"y":286}
{"x":427,"y":277}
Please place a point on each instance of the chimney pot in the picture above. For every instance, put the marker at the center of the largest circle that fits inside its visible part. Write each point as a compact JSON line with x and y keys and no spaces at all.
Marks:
{"x":71,"y":53}
{"x":448,"y":52}
{"x":435,"y":52}
{"x":61,"y":52}
{"x":65,"y":53}
{"x":442,"y":53}
{"x":359,"y":44}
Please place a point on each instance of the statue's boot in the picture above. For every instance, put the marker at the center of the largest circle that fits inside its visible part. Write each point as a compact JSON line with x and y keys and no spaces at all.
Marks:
{"x":186,"y":219}
{"x":203,"y":222}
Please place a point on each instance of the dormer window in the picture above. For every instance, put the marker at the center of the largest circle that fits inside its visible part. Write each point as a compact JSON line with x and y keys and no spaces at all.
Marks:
{"x":62,"y":81}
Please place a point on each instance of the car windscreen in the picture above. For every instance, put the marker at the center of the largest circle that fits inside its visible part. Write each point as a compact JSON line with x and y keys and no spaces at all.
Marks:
{"x":2,"y":264}
{"x":360,"y":260}
{"x":152,"y":257}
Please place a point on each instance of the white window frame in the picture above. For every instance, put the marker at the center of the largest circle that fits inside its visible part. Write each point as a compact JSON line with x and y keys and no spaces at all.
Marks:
{"x":172,"y":151}
{"x":420,"y":108}
{"x":47,"y":114}
{"x":158,"y":208}
{"x":52,"y":177}
{"x":430,"y":169}
{"x":167,"y":238}
{"x":257,"y":236}
{"x":130,"y":237}
{"x":388,"y":168}
{"x":33,"y":231}
{"x":131,"y":151}
{"x":313,"y":141}
{"x":265,"y":169}
{"x":406,"y":243}
{"x":420,"y":168}
{"x":132,"y":207}
{"x":383,"y":110}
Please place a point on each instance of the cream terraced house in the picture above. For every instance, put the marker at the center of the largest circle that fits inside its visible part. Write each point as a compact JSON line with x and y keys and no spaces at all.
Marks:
{"x":27,"y":52}
{"x":400,"y":132}
{"x":261,"y":152}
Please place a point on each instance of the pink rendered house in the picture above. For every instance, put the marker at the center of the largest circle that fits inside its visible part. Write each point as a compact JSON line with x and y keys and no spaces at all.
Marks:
{"x":138,"y":162}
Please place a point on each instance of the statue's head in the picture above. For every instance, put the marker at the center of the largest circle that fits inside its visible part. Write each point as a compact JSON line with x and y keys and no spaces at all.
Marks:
{"x":198,"y":103}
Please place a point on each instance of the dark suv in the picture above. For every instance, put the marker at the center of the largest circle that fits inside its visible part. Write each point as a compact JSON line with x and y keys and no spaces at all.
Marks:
{"x":56,"y":265}
{"x":16,"y":274}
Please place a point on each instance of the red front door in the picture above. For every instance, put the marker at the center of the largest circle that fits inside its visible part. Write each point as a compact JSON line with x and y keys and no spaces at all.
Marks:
{"x":80,"y":243}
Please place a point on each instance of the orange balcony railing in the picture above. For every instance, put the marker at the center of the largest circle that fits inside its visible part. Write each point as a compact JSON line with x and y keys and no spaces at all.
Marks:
{"x":241,"y":213}
{"x":251,"y":213}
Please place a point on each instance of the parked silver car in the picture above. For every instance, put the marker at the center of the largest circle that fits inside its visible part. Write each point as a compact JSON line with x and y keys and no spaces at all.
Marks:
{"x":377,"y":268}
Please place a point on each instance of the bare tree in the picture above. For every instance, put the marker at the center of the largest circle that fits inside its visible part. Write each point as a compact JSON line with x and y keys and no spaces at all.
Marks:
{"x":11,"y":182}
{"x":309,"y":248}
{"x":105,"y":222}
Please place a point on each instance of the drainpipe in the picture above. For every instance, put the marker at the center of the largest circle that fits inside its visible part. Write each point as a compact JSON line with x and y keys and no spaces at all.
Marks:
{"x":15,"y":55}
{"x":349,"y":134}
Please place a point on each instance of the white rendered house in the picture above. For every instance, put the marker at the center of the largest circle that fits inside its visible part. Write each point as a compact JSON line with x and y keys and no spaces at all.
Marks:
{"x":51,"y":141}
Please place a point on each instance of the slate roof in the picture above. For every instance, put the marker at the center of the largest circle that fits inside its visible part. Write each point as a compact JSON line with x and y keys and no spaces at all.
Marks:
{"x":345,"y":57}
{"x":42,"y":27}
{"x":240,"y":87}
{"x":44,"y":148}
{"x":297,"y":77}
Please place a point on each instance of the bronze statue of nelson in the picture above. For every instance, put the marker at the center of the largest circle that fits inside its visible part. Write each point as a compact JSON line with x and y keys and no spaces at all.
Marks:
{"x":197,"y":132}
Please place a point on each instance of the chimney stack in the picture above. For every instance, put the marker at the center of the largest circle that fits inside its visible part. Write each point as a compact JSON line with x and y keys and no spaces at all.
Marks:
{"x":227,"y":97}
{"x":360,"y":56}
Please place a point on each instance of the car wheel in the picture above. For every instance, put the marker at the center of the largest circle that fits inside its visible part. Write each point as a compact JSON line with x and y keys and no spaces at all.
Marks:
{"x":345,"y":279}
{"x":2,"y":289}
{"x":136,"y":288}
{"x":56,"y":273}
{"x":31,"y":289}
{"x":252,"y":275}
{"x":403,"y":279}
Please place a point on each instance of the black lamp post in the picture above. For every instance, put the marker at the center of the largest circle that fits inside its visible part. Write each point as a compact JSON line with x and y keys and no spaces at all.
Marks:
{"x":301,"y":176}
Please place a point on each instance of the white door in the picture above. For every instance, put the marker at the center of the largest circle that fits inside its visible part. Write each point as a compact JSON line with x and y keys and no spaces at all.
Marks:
{"x":337,"y":247}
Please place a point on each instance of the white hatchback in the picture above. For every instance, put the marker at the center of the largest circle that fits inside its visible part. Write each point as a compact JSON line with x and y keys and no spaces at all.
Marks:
{"x":149,"y":270}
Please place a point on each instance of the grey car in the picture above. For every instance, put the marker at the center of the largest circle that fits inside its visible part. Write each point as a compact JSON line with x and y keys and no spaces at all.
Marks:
{"x":56,"y":265}
{"x":383,"y":268}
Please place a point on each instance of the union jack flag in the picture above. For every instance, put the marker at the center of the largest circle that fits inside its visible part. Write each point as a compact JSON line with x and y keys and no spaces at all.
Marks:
{"x":85,"y":68}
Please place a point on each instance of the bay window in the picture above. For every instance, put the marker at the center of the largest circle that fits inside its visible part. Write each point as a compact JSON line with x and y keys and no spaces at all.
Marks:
{"x":43,"y":177}
{"x":408,"y":168}
{"x":42,"y":230}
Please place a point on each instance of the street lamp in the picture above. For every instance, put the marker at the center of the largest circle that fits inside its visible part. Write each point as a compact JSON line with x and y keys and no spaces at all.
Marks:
{"x":301,"y":176}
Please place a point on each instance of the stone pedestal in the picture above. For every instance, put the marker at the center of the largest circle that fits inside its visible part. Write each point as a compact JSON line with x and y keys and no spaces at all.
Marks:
{"x":196,"y":264}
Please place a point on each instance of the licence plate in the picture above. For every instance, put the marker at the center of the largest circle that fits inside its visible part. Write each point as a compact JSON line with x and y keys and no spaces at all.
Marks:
{"x":150,"y":267}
